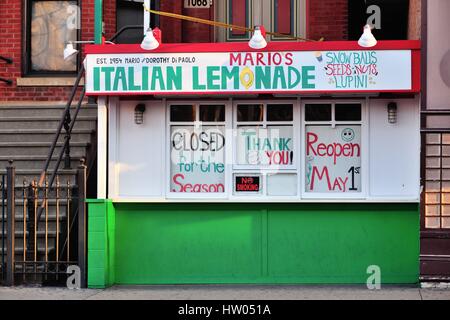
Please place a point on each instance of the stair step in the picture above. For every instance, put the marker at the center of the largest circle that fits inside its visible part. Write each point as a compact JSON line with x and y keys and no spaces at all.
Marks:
{"x":19,"y":249}
{"x":37,"y":162}
{"x":82,"y":122}
{"x":39,"y":148}
{"x":45,"y":110}
{"x":51,"y":202}
{"x":37,"y":135}
{"x":29,"y":175}
{"x":39,"y":144}
{"x":51,"y":226}
{"x":40,"y":233}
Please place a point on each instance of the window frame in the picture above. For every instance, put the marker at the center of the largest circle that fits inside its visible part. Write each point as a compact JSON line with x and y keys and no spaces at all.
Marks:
{"x":298,"y":168}
{"x":226,"y":124}
{"x":267,"y":19}
{"x":264,"y":124}
{"x":26,"y":44}
{"x":364,"y":123}
{"x":265,"y":171}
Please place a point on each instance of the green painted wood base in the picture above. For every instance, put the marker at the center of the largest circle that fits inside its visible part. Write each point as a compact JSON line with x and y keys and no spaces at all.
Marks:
{"x":251,"y":243}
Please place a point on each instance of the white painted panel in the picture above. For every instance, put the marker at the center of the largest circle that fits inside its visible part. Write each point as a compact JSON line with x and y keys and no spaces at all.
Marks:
{"x":282,"y":184}
{"x":113,"y":134}
{"x":141,"y":151}
{"x":394,"y":150}
{"x":102,"y":149}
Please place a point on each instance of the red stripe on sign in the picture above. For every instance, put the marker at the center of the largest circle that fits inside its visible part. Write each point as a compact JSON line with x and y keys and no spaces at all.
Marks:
{"x":243,"y":47}
{"x":228,"y":93}
{"x":284,"y":12}
{"x":238,"y":15}
{"x":416,"y":71}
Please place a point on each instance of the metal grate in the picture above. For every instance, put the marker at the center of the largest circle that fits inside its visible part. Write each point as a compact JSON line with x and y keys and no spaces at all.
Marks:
{"x":38,"y":249}
{"x":2,"y":227}
{"x":437,"y":181}
{"x":45,"y":245}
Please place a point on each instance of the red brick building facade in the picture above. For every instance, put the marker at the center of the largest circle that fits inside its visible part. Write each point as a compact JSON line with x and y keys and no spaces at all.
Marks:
{"x":324,"y":18}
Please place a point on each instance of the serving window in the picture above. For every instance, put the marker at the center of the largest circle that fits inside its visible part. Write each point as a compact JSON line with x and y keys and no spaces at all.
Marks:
{"x":340,"y":149}
{"x":264,"y":136}
{"x":333,"y":149}
{"x":266,"y":149}
{"x":197,"y":149}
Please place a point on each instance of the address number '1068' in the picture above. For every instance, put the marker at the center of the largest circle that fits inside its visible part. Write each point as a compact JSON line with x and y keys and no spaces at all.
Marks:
{"x":197,"y":3}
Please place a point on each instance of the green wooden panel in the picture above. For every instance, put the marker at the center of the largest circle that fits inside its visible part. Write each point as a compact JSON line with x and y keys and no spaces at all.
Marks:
{"x":185,"y":243}
{"x":261,"y":243}
{"x":336,"y":244}
{"x":101,"y":243}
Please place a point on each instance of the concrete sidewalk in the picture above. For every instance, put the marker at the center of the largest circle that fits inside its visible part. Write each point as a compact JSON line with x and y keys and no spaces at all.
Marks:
{"x":229,"y":292}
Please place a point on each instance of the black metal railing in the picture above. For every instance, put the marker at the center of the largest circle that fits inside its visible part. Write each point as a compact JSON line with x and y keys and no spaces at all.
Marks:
{"x":3,"y":227}
{"x":67,"y":122}
{"x":35,"y":197}
{"x":8,"y":61}
{"x":42,"y":255}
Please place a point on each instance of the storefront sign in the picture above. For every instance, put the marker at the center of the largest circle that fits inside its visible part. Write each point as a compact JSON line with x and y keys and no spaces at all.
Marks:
{"x":249,"y":72}
{"x":333,"y":159}
{"x":197,"y":159}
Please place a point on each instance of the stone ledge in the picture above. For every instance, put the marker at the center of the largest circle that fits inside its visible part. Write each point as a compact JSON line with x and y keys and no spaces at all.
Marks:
{"x":47,"y":81}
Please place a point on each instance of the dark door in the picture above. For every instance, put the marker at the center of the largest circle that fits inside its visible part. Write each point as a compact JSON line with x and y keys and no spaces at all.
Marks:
{"x":132,"y":13}
{"x":392,"y":18}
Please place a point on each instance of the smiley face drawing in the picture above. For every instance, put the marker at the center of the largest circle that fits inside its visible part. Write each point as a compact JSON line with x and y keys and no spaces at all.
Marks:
{"x":348,"y":134}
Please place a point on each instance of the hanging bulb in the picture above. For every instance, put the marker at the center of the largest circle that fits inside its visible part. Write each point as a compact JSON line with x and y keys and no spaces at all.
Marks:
{"x":257,"y":41}
{"x":149,"y":42}
{"x":367,"y":39}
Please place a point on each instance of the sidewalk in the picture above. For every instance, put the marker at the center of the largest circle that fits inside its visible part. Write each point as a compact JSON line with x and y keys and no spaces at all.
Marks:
{"x":229,"y":292}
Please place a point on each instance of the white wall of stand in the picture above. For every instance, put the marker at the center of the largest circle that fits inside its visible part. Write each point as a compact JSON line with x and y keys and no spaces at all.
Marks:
{"x":136,"y":166}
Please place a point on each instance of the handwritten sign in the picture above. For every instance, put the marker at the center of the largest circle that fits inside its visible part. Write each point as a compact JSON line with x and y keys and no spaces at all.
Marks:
{"x":271,"y":146}
{"x":228,"y":72}
{"x":197,"y":159}
{"x":333,"y":159}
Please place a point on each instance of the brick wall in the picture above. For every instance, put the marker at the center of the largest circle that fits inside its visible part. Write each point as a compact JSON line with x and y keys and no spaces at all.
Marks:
{"x":170,"y":27}
{"x":11,"y":47}
{"x":198,"y":32}
{"x":328,"y":19}
{"x":414,"y":20}
{"x":325,"y":18}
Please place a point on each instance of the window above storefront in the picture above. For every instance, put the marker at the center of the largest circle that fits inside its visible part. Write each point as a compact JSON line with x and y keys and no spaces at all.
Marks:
{"x":286,"y":17}
{"x":49,"y":26}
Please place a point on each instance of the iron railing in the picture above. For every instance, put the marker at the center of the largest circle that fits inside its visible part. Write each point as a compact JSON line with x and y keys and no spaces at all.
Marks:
{"x":8,"y":61}
{"x":67,"y":122}
{"x":3,"y":227}
{"x":37,"y":259}
{"x":41,"y":251}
